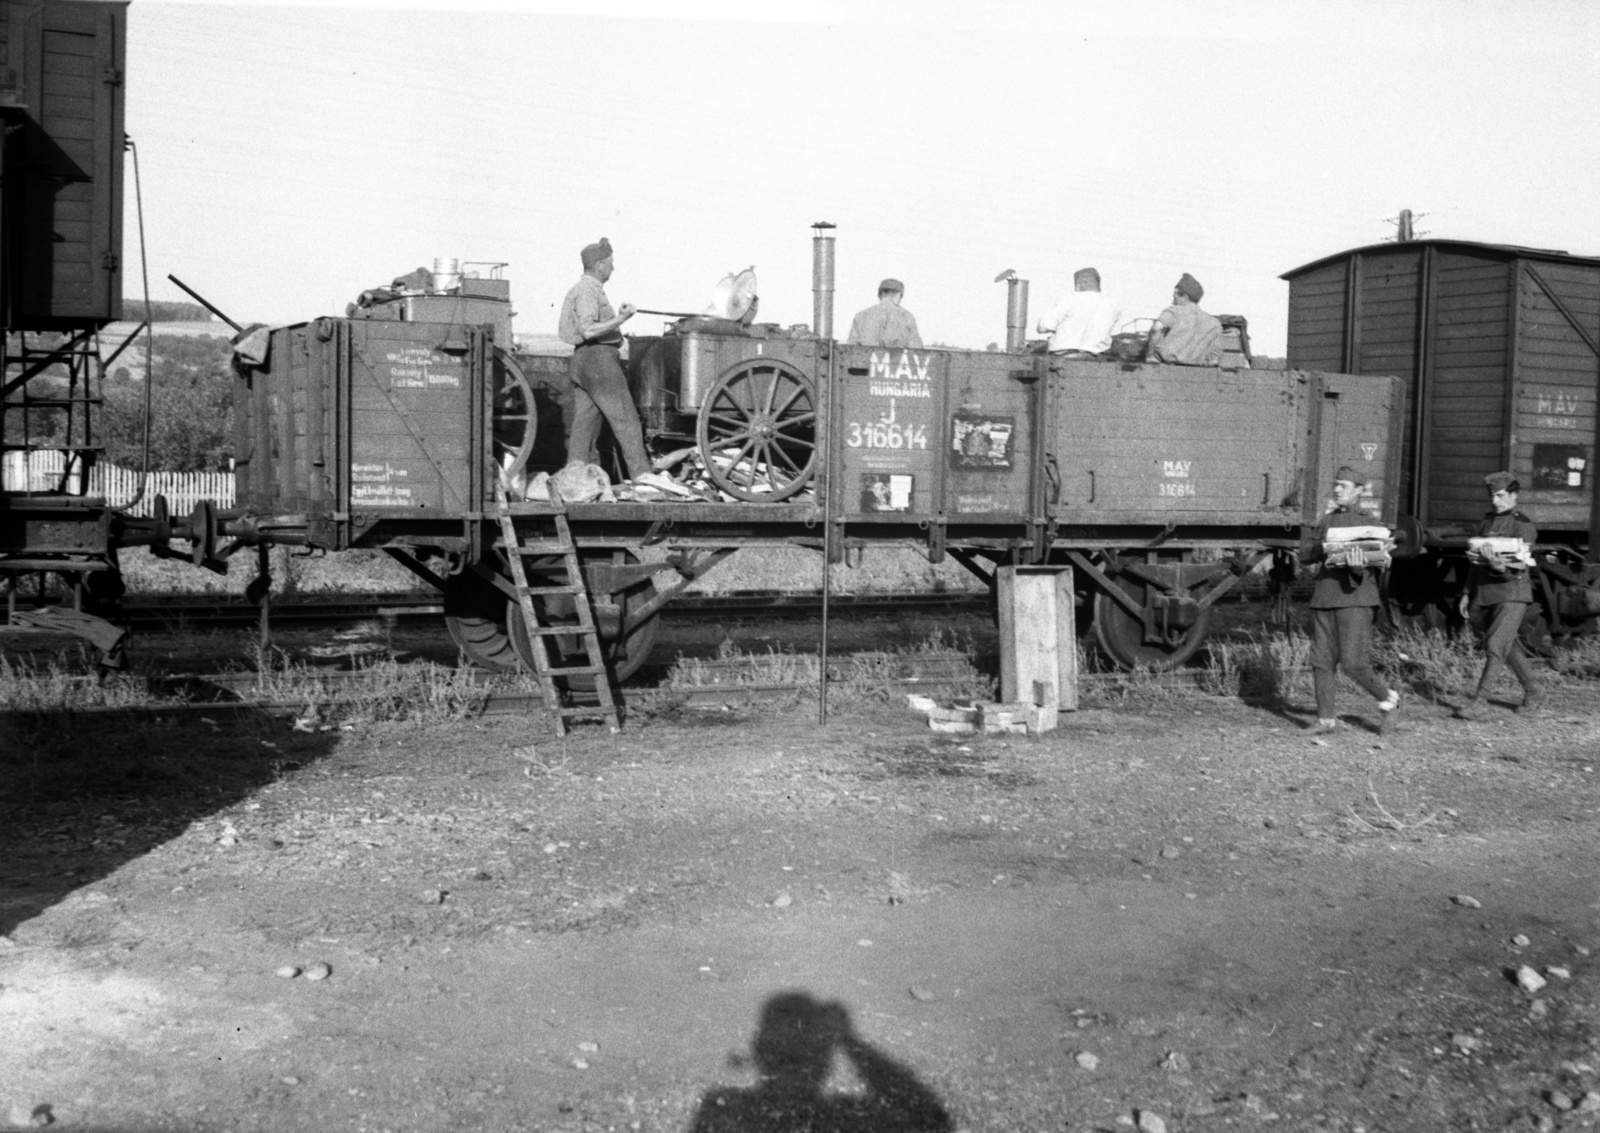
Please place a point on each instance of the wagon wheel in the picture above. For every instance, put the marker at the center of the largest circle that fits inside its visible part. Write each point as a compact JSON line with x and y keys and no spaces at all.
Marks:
{"x":624,"y":654}
{"x":758,"y":430}
{"x":1121,"y":635}
{"x":475,"y":615}
{"x":514,"y":417}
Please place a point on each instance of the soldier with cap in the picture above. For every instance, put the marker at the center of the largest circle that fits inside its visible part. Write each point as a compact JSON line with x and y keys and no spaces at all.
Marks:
{"x":1500,"y":591}
{"x":600,"y":388}
{"x":1343,"y":601}
{"x":1183,"y":333}
{"x":886,"y":323}
{"x":1085,"y":320}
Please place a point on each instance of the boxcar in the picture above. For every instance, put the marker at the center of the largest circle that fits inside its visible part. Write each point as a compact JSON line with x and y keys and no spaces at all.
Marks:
{"x":61,"y":190}
{"x":1499,"y":351}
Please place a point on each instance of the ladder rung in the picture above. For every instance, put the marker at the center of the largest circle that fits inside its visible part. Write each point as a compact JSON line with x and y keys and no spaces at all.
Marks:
{"x":542,"y":547}
{"x":576,"y":671}
{"x":550,"y":590}
{"x":554,"y":631}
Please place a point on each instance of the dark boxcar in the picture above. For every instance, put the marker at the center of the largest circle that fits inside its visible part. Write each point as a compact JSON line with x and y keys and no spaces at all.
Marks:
{"x":1499,"y":349}
{"x":61,"y":161}
{"x":61,"y":75}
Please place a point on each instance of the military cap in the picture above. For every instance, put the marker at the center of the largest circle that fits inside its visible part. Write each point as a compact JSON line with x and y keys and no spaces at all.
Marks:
{"x":891,"y":285}
{"x":1190,"y":286}
{"x":1501,"y":482}
{"x":594,"y":253}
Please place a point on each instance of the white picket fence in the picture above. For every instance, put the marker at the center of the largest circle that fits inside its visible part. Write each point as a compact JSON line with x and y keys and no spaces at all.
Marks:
{"x":50,"y":470}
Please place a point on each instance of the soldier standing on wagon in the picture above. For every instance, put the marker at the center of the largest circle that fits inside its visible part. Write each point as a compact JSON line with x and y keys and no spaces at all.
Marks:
{"x":600,"y":388}
{"x":1343,"y":603}
{"x":1500,"y":591}
{"x":886,"y":323}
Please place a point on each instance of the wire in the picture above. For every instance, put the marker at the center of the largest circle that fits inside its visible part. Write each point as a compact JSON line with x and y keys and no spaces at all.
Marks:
{"x":149,"y":330}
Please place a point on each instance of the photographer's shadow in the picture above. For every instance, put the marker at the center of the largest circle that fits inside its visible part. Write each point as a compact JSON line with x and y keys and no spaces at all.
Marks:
{"x":793,"y":1054}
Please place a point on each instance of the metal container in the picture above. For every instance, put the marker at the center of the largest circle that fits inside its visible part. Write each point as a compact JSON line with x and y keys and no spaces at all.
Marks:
{"x":446,"y":273}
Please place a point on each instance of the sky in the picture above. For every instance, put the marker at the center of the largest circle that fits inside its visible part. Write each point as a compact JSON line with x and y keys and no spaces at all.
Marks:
{"x":291,"y":156}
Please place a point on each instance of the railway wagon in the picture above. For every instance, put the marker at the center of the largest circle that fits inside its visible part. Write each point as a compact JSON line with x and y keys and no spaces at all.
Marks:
{"x":1161,"y":484}
{"x":61,"y":196}
{"x":1499,"y":350}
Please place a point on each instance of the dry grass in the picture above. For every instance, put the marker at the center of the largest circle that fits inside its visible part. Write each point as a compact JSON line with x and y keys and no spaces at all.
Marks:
{"x":942,"y":659}
{"x":377,"y":690}
{"x":52,"y":687}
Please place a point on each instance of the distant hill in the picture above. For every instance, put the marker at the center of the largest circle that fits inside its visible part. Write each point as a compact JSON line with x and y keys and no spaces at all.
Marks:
{"x":162,"y":311}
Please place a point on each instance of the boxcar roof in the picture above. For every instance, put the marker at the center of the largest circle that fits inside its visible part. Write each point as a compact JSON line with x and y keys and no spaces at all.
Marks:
{"x":1493,"y":251}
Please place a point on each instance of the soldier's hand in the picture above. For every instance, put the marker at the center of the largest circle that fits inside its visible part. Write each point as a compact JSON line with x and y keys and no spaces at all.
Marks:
{"x":627,"y":311}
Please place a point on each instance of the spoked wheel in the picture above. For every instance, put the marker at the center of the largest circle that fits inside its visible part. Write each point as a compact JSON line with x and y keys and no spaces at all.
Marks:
{"x":624,"y":653}
{"x":514,"y":417}
{"x":758,"y":430}
{"x":475,"y":615}
{"x":1121,"y":635}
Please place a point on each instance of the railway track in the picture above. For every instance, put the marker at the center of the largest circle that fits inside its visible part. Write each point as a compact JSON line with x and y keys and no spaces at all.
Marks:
{"x":192,"y":612}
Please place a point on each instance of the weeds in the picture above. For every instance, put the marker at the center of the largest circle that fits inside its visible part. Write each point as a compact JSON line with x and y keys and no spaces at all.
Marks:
{"x":1266,"y":669}
{"x":375,"y":691}
{"x":26,"y":687}
{"x":942,"y":661}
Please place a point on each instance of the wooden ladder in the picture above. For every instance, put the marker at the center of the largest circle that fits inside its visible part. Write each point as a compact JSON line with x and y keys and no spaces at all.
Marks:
{"x":547,"y":670}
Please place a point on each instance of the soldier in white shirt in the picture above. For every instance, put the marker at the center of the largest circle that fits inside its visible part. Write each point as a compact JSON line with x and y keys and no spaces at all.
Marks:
{"x":1085,"y":320}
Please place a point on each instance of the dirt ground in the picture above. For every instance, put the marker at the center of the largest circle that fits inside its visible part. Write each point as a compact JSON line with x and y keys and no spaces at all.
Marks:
{"x":1184,"y":913}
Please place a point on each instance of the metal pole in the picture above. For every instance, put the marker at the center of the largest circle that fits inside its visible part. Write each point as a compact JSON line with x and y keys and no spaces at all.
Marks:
{"x":1016,"y":314}
{"x":822,"y":324}
{"x":822,"y":279}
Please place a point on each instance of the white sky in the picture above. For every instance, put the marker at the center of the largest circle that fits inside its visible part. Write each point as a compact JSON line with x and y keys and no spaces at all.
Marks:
{"x":292,"y":156}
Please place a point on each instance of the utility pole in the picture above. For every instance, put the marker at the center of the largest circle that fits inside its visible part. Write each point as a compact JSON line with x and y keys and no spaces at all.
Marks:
{"x":1405,"y":226}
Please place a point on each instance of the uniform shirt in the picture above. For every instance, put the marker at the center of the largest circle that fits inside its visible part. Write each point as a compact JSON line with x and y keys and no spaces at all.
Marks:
{"x":1339,"y":586}
{"x":885,"y":323}
{"x":1084,"y":320}
{"x":585,"y":305}
{"x":1193,"y":337}
{"x":1490,"y":589}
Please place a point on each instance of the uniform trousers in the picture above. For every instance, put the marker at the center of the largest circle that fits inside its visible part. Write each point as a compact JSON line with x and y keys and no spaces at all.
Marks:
{"x":600,"y":391}
{"x":1501,"y":644}
{"x":1341,"y":638}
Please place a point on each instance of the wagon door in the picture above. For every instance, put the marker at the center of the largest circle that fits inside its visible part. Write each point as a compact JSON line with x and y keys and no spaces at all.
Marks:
{"x":991,"y":453}
{"x":1357,"y":422}
{"x":415,"y":420}
{"x":890,"y":404}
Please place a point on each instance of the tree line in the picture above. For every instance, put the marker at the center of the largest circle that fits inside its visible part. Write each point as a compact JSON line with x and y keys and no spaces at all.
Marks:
{"x":191,"y":412}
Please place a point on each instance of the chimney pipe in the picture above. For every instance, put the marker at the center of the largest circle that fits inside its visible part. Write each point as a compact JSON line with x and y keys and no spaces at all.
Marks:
{"x":1016,"y":310}
{"x":1404,"y":234}
{"x":822,"y":279}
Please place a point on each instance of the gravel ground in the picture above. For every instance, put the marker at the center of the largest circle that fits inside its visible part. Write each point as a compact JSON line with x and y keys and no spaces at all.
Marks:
{"x":1181,"y":912}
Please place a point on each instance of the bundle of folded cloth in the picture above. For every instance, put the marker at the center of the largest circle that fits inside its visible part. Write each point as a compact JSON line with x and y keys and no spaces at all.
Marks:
{"x":1372,"y":543}
{"x":1511,"y":551}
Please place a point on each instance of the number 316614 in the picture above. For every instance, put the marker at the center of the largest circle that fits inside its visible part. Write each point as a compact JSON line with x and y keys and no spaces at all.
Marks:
{"x":877,"y":434}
